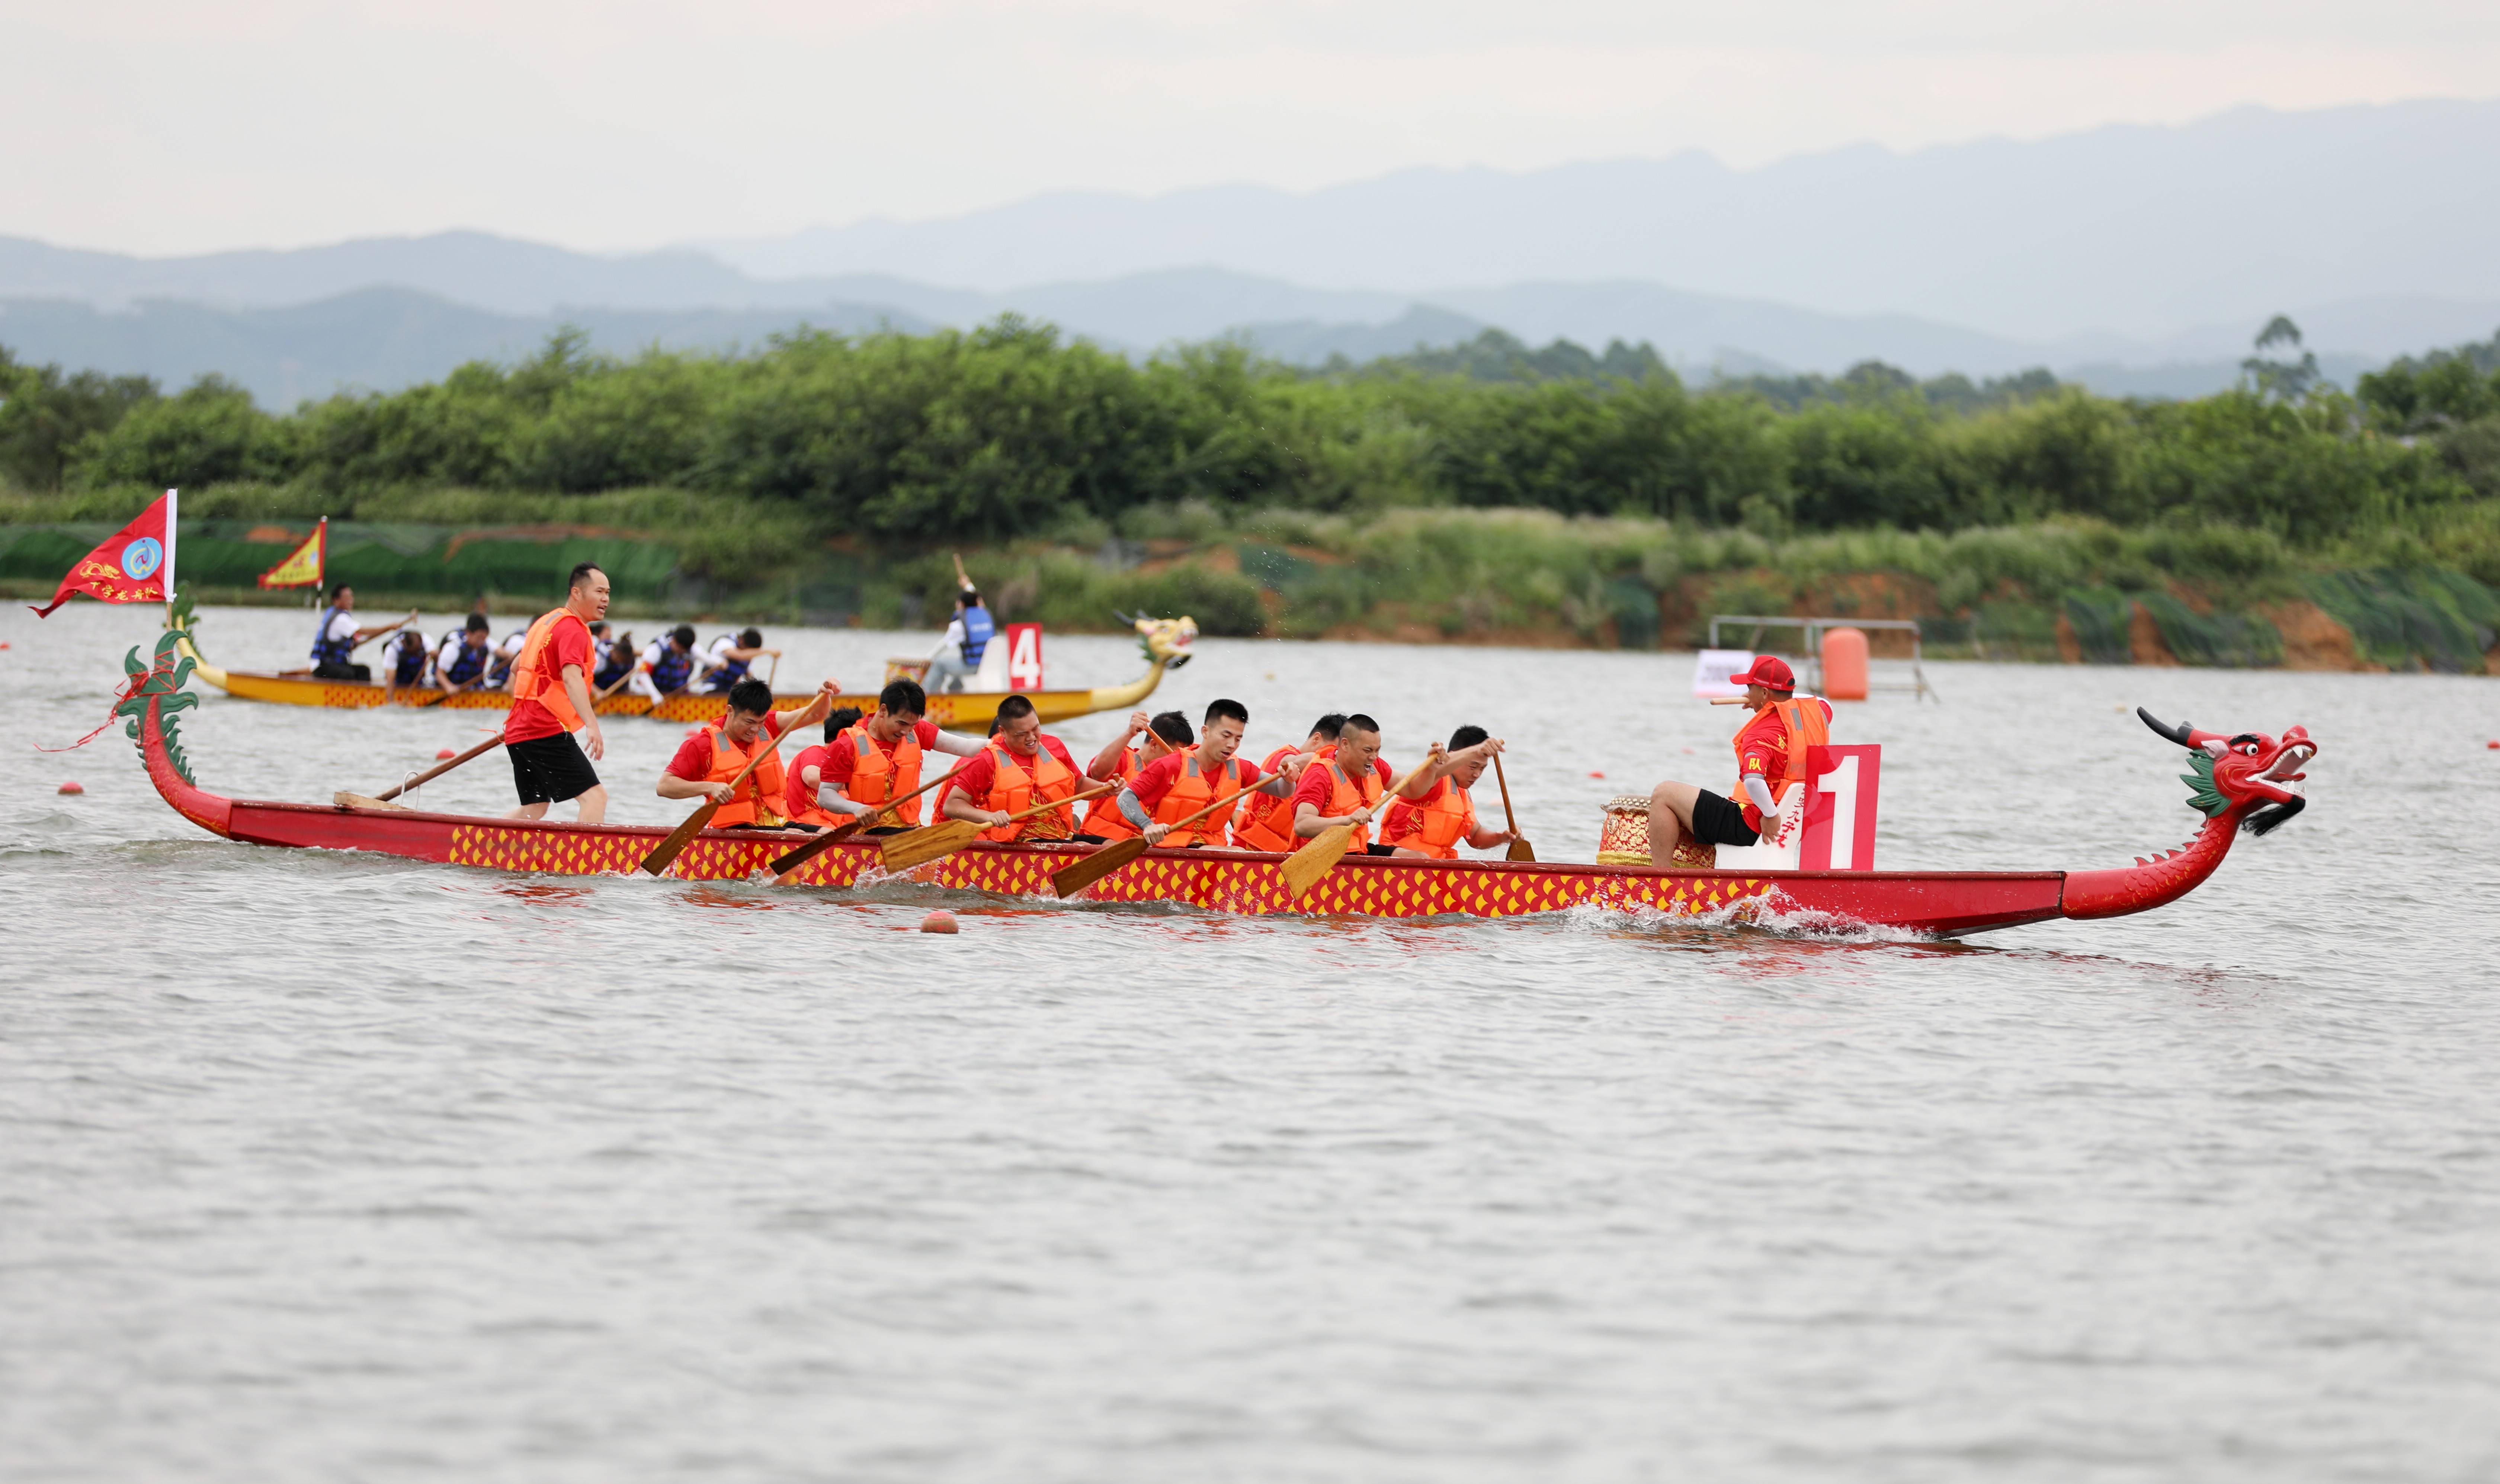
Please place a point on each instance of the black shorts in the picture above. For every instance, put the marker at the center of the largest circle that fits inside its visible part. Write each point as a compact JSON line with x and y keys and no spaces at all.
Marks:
{"x":333,"y":672}
{"x":1716,"y":821}
{"x":549,"y":771}
{"x":1377,"y":849}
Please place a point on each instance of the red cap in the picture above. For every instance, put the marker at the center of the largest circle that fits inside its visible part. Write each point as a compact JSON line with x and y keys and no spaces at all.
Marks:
{"x":1769,"y":671}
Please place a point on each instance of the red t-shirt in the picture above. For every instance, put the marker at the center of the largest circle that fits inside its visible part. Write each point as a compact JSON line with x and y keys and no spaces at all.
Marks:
{"x":693,"y":761}
{"x":797,"y":793}
{"x":1762,"y":752}
{"x":843,"y":761}
{"x":530,"y":720}
{"x":1156,"y":777}
{"x":977,"y":774}
{"x":1318,"y":785}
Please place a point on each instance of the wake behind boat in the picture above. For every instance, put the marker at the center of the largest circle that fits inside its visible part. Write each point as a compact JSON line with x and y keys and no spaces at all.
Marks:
{"x":2242,"y":782}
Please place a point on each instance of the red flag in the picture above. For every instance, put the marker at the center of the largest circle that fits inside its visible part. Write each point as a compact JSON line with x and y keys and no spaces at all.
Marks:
{"x":133,"y":567}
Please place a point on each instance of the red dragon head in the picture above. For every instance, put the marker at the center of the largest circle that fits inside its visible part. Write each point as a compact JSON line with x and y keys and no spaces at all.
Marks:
{"x":2248,"y":775}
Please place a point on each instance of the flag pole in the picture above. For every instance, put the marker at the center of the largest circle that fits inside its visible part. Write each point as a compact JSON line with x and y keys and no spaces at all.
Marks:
{"x":173,"y":509}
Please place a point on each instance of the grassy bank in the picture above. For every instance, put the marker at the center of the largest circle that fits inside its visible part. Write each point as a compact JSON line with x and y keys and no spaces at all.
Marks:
{"x":2068,"y":588}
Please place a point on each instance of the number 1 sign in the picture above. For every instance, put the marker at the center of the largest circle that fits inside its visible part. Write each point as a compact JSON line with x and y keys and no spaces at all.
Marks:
{"x":1840,"y":808}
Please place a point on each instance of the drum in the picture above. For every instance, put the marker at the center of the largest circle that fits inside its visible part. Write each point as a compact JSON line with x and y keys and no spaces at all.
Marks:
{"x":1625,"y":838}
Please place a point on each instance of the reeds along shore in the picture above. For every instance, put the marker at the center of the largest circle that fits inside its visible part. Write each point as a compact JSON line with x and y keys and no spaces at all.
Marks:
{"x":2070,"y":591}
{"x":1522,"y":498}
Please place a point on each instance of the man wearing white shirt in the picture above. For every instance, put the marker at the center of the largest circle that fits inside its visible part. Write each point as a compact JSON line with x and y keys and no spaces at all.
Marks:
{"x":335,"y":640}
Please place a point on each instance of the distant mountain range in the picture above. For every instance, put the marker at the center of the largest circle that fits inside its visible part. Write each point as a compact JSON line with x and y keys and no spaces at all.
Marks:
{"x":2136,"y":260}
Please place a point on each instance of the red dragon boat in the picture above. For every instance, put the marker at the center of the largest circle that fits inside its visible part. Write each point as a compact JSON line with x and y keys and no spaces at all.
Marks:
{"x":2242,"y":783}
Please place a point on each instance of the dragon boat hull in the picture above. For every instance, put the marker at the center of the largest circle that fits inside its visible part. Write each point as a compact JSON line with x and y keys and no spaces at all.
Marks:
{"x":961,"y":711}
{"x":1940,"y":903}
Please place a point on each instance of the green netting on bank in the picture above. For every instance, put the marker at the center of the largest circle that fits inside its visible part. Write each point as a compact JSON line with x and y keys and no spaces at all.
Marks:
{"x":444,"y":562}
{"x":2230,"y":641}
{"x":2012,"y":631}
{"x":2425,"y":618}
{"x":2099,"y":618}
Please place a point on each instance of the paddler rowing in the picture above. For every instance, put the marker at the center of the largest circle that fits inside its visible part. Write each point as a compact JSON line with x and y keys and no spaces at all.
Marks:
{"x":1770,"y":762}
{"x":732,"y":761}
{"x":877,"y":760}
{"x":336,"y":637}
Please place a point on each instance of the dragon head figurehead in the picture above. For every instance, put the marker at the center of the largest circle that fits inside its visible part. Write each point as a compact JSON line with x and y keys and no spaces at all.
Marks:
{"x":1165,"y":641}
{"x":2247,"y":775}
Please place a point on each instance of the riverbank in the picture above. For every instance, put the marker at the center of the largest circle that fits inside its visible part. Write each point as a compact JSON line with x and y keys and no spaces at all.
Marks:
{"x":2066,"y":591}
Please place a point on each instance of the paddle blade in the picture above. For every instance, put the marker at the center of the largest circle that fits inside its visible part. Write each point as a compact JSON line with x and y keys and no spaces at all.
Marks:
{"x":1068,"y":881}
{"x":346,"y":800}
{"x":783,"y":865}
{"x":1316,"y":859}
{"x":679,"y":839}
{"x":1520,"y":851}
{"x":923,"y":846}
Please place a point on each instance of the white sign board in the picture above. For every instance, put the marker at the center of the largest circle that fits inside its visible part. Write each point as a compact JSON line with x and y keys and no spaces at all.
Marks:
{"x":1710,"y":671}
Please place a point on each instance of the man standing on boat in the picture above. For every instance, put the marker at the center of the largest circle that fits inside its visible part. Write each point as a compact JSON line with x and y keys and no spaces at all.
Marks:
{"x":1437,"y":824}
{"x":1021,"y":766}
{"x":1770,"y":761}
{"x":880,"y":758}
{"x":335,"y":641}
{"x":958,"y":656}
{"x":551,"y":700}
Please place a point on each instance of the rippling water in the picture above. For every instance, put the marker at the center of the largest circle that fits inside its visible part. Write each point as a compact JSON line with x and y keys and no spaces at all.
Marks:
{"x":322,"y":1167}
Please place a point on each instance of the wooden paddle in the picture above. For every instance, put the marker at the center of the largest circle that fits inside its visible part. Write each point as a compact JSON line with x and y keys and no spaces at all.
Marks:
{"x":346,"y":800}
{"x":439,"y":768}
{"x":1316,"y":859}
{"x":787,"y":865}
{"x":1068,"y":881}
{"x":683,"y":835}
{"x":922,"y":846}
{"x":1519,"y":849}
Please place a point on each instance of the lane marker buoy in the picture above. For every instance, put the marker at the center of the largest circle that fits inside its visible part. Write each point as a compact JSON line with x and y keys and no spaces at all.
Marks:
{"x":441,"y":753}
{"x":940,"y":921}
{"x":73,"y":786}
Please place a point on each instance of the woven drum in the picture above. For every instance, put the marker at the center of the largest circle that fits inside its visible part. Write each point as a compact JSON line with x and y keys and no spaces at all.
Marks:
{"x":1625,"y":839}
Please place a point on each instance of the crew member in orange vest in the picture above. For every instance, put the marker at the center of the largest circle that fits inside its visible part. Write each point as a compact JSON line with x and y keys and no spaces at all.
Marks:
{"x":1445,"y":816}
{"x":1021,"y":766}
{"x":1770,"y":762}
{"x":882,"y":758}
{"x":1169,"y":791}
{"x":551,"y":699}
{"x":708,"y":765}
{"x":1119,"y":763}
{"x":807,"y":772}
{"x":1266,"y":822}
{"x":1347,"y":789}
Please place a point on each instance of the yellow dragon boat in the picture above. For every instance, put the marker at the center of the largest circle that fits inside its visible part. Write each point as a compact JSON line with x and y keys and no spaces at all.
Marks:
{"x":1166,"y":642}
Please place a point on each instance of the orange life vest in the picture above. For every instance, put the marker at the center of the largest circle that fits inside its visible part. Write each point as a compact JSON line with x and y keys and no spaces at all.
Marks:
{"x":1015,"y":786}
{"x":1436,"y":825}
{"x":1805,"y":726}
{"x":1102,"y":817}
{"x":1192,"y":791}
{"x":879,"y":777}
{"x":532,"y":678}
{"x":1345,"y":796}
{"x":752,"y":803}
{"x":1267,"y":822}
{"x":798,"y":799}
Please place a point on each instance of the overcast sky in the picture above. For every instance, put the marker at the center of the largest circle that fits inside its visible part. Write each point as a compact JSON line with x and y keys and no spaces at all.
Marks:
{"x":157,"y":127}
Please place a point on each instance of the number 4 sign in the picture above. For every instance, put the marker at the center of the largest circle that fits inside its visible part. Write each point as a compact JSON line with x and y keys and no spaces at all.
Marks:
{"x":1024,"y":657}
{"x":1840,"y":808}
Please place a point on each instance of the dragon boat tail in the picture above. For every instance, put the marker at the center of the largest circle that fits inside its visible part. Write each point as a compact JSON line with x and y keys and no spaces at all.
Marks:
{"x":2244,"y":783}
{"x":1166,"y":642}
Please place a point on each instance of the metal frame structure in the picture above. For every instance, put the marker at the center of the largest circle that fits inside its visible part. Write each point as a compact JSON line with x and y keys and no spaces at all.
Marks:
{"x":1813,"y":630}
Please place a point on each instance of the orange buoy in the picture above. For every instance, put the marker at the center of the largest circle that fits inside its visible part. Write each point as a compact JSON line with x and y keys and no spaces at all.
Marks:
{"x":73,"y":786}
{"x":1844,"y":664}
{"x":441,"y":753}
{"x":1596,"y":775}
{"x":2493,"y":744}
{"x":939,"y":922}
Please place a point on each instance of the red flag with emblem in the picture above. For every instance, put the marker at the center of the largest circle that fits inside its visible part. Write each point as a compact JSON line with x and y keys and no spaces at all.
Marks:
{"x":136,"y":565}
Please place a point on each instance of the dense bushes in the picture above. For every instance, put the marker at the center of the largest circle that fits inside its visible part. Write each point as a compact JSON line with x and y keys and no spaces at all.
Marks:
{"x":1007,"y":432}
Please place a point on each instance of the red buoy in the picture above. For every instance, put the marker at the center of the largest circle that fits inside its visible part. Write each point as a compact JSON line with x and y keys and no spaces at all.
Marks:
{"x":73,"y":786}
{"x":1596,"y":775}
{"x":441,"y":753}
{"x":939,"y":922}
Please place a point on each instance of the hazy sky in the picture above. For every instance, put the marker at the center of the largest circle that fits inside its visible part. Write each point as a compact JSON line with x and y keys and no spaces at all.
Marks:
{"x":151,"y":126}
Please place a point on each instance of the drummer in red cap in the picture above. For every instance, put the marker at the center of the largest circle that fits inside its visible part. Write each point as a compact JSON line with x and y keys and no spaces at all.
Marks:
{"x":1770,"y":761}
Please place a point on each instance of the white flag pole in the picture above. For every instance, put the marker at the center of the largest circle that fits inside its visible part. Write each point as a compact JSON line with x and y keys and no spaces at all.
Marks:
{"x":173,"y":508}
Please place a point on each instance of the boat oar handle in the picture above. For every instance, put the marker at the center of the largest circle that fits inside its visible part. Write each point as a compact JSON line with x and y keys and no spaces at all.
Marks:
{"x":441,"y":768}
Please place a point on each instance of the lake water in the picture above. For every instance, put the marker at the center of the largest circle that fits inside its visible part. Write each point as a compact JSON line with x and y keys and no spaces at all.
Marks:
{"x":324,"y":1166}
